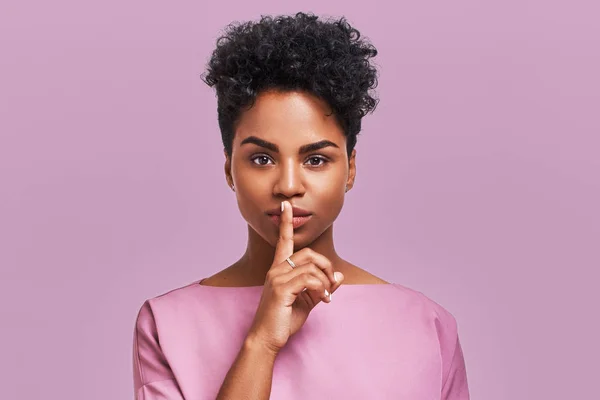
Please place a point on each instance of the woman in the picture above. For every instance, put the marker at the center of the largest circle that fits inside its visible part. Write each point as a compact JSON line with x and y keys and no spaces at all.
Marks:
{"x":291,"y":94}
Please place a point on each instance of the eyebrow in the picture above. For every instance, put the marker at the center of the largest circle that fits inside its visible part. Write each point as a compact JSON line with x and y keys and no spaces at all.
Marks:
{"x":307,"y":148}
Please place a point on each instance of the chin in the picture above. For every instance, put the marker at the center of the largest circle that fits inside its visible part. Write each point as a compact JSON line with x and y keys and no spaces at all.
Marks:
{"x":303,"y":236}
{"x":304,"y":239}
{"x":300,"y":241}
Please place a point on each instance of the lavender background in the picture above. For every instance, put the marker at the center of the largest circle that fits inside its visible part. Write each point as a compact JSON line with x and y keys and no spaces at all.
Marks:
{"x":478,"y":181}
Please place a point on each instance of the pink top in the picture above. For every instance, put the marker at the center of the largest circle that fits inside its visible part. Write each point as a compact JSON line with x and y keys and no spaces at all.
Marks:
{"x":380,"y":341}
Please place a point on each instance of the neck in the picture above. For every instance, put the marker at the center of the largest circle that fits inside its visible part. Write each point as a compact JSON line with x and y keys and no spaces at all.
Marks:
{"x":257,"y":260}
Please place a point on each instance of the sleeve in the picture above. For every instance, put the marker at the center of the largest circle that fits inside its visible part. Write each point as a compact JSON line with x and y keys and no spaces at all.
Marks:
{"x":152,"y":375}
{"x":454,"y":372}
{"x":455,"y":386}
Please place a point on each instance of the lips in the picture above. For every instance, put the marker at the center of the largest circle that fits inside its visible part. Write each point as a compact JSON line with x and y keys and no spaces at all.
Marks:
{"x":296,"y":211}
{"x":297,"y":222}
{"x":300,"y":216}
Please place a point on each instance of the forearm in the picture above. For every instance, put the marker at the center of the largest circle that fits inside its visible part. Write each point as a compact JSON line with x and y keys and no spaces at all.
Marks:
{"x":251,"y":374}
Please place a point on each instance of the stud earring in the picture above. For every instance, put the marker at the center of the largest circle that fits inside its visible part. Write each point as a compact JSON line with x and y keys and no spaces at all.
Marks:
{"x":233,"y":188}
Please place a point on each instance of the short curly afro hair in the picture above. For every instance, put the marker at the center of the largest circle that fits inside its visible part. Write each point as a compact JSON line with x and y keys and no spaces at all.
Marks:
{"x":325,"y":58}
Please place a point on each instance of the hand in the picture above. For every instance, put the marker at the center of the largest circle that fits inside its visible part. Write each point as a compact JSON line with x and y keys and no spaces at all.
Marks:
{"x":289,"y":294}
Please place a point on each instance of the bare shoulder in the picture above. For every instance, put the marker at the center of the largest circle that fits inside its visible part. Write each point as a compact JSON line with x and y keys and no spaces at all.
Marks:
{"x":222,"y":279}
{"x":232,"y":276}
{"x":235,"y":276}
{"x":354,"y":275}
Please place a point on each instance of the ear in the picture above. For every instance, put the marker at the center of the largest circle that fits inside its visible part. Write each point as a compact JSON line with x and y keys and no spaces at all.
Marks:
{"x":227,"y":168}
{"x":351,"y":170}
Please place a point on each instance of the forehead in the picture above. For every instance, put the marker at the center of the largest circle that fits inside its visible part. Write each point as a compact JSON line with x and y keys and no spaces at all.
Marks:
{"x":289,"y":117}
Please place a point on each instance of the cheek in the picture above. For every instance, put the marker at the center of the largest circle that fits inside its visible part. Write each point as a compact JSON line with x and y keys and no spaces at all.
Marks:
{"x":252,"y":198}
{"x":329,"y":198}
{"x":248,"y":202}
{"x":330,"y":186}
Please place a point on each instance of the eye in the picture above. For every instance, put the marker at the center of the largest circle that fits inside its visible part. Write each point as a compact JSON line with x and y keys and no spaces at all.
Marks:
{"x":317,"y":161}
{"x":262,"y":159}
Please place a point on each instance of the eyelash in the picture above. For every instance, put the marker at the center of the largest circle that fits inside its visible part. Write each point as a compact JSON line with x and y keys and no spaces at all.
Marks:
{"x":322,"y":158}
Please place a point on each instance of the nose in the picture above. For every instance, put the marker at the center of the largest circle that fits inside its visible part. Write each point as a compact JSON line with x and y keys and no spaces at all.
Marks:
{"x":289,"y":181}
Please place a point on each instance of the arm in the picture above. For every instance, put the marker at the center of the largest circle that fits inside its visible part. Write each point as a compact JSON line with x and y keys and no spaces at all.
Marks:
{"x":455,"y":386}
{"x":251,"y":374}
{"x":152,"y":375}
{"x":249,"y":377}
{"x":454,"y":382}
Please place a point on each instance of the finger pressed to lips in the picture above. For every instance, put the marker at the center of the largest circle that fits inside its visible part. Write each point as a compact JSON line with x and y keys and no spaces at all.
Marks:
{"x":285,"y":243}
{"x":310,"y":265}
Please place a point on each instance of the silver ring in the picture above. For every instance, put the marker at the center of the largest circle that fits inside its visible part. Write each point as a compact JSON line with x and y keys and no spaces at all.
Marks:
{"x":290,"y":262}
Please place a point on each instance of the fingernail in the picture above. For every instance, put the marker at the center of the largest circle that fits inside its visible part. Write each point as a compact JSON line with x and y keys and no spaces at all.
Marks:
{"x":330,"y":296}
{"x":337,"y":276}
{"x":326,"y":293}
{"x":282,"y":206}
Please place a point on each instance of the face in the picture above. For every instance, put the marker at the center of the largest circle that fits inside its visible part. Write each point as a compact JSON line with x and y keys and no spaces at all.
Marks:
{"x":289,"y":146}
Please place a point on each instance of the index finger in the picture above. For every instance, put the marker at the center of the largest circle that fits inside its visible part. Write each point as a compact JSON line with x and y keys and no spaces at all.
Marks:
{"x":285,"y":243}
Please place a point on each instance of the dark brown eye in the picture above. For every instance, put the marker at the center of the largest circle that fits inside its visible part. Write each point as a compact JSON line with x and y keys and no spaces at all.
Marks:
{"x":317,"y":161}
{"x":262,"y":159}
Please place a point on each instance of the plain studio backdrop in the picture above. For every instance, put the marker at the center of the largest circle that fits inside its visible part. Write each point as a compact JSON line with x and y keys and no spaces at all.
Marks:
{"x":478,"y":181}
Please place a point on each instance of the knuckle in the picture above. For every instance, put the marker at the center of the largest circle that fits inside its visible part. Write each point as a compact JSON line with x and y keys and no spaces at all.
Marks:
{"x":320,"y":271}
{"x":314,"y":268}
{"x":278,"y":291}
{"x":308,"y":278}
{"x":315,"y":282}
{"x":271,"y":275}
{"x":317,"y":269}
{"x":325,"y":262}
{"x":276,"y":281}
{"x":306,"y":252}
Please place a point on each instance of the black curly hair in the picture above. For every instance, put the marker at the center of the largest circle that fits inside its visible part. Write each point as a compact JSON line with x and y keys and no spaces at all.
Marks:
{"x":325,"y":58}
